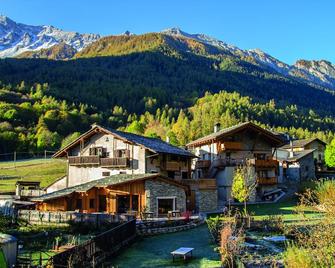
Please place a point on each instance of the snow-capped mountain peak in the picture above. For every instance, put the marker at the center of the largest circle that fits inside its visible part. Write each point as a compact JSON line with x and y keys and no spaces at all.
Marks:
{"x":16,"y":38}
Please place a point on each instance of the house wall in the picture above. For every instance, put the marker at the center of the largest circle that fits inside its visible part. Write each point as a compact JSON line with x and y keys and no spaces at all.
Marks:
{"x":319,"y":153}
{"x":58,"y":185}
{"x":156,"y":188}
{"x":81,"y":174}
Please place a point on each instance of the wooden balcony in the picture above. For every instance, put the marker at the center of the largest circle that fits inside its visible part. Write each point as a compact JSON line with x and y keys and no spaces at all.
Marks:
{"x":115,"y":162}
{"x":31,"y":192}
{"x":84,"y":160}
{"x":217,"y":163}
{"x":267,"y":181}
{"x":200,"y":183}
{"x":271,"y":163}
{"x":172,"y":165}
{"x":202,"y":164}
{"x":231,"y":146}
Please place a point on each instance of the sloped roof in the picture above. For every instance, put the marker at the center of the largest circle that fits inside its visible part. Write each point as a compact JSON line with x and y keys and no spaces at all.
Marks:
{"x":108,"y":181}
{"x":153,"y":144}
{"x":301,"y":143}
{"x":233,"y":129}
{"x":296,"y":155}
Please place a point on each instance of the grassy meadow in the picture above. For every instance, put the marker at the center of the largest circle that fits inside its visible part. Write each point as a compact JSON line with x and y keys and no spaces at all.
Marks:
{"x":44,"y":170}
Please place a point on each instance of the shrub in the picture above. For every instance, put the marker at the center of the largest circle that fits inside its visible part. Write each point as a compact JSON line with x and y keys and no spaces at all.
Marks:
{"x":296,"y":257}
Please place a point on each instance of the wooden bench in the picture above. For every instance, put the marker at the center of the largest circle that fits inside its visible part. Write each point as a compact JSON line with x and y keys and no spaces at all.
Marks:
{"x":184,"y":252}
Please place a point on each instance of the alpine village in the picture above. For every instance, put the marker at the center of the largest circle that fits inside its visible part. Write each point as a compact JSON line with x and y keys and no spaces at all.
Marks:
{"x":162,"y":149}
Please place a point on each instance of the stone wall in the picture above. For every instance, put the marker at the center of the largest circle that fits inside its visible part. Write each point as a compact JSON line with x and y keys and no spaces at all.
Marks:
{"x":208,"y":200}
{"x":156,"y":188}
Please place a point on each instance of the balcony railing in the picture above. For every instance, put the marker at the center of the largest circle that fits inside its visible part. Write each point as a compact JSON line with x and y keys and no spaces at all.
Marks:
{"x":267,"y":181}
{"x":201,"y":183}
{"x":228,"y":162}
{"x":231,"y":145}
{"x":115,"y":162}
{"x":172,"y":165}
{"x":203,"y":164}
{"x":31,"y":192}
{"x":270,"y":163}
{"x":84,"y":160}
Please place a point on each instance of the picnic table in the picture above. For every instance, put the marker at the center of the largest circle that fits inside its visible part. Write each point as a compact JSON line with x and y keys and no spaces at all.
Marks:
{"x":182,"y":252}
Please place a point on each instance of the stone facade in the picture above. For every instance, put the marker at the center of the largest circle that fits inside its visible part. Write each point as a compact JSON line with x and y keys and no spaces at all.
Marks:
{"x":208,"y":200}
{"x":155,"y":189}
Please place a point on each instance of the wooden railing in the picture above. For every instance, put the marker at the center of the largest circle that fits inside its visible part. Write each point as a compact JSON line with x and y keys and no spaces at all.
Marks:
{"x":64,"y":217}
{"x":267,"y":181}
{"x":172,"y":165}
{"x":231,"y":145}
{"x":201,"y":183}
{"x":84,"y":160}
{"x":31,"y":193}
{"x":115,"y":162}
{"x":203,"y":164}
{"x":270,"y":163}
{"x":228,"y":162}
{"x":95,"y":251}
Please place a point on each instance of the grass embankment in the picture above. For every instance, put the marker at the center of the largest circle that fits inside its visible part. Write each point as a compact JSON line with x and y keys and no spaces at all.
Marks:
{"x":155,"y":251}
{"x":44,"y":170}
{"x":287,"y":209}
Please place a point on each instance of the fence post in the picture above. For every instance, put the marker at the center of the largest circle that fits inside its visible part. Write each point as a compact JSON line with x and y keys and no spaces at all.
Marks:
{"x":14,"y":159}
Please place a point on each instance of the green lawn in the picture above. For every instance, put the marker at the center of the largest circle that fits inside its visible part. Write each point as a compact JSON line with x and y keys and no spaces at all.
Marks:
{"x":155,"y":251}
{"x":286,"y":209}
{"x":45,"y":171}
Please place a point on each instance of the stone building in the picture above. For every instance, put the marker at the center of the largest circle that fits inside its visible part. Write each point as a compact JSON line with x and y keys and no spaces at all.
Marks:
{"x":118,"y":194}
{"x":297,"y":166}
{"x":220,"y":153}
{"x":103,"y":152}
{"x":315,"y":144}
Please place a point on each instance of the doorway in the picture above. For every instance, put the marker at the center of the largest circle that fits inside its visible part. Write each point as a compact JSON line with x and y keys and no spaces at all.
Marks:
{"x":102,"y":203}
{"x":123,"y":203}
{"x":165,"y":204}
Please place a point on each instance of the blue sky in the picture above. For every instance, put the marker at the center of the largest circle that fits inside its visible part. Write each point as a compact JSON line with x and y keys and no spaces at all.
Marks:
{"x":286,"y":29}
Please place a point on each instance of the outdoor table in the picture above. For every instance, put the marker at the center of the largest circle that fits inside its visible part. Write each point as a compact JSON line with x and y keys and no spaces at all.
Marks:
{"x":148,"y":214}
{"x":182,"y":252}
{"x":174,"y":213}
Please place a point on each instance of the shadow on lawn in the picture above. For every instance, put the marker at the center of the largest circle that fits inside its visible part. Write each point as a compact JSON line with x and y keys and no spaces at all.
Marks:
{"x":155,"y":251}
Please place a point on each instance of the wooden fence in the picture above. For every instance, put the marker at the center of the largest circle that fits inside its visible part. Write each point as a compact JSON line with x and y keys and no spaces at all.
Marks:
{"x":95,"y":251}
{"x":58,"y":217}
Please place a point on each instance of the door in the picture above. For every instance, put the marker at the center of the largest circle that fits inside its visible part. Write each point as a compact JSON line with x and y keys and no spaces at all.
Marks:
{"x":165,"y":205}
{"x":102,"y":203}
{"x":123,"y":203}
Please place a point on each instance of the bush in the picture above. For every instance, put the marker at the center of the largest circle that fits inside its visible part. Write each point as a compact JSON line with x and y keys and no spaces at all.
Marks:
{"x":295,"y":257}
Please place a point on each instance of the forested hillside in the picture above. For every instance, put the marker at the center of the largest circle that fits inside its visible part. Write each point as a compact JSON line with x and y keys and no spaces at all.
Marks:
{"x":155,"y":85}
{"x":126,"y":70}
{"x":32,"y":120}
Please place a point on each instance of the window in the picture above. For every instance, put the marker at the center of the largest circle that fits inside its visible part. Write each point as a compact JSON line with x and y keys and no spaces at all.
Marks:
{"x":165,"y":205}
{"x":228,"y":155}
{"x":121,"y":153}
{"x":184,"y":175}
{"x":171,"y":174}
{"x":92,"y":203}
{"x":122,"y":172}
{"x":99,"y":151}
{"x":79,"y":204}
{"x":260,"y":156}
{"x":134,"y":202}
{"x":172,"y":157}
{"x":106,"y":173}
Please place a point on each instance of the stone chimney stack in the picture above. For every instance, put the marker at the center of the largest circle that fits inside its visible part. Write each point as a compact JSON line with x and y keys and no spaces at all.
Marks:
{"x":217,"y":127}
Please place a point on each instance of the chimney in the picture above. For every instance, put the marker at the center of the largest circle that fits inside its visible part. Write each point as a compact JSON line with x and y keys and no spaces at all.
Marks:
{"x":167,"y":139}
{"x":291,"y":149}
{"x":217,"y":127}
